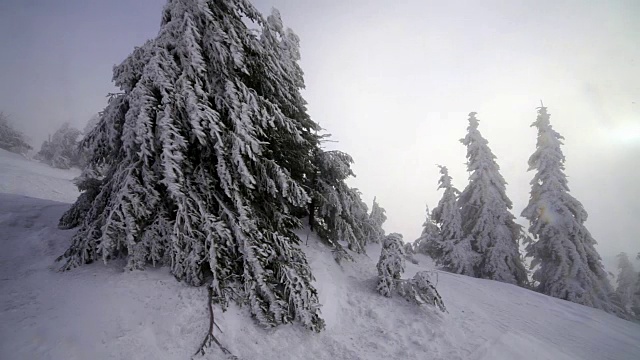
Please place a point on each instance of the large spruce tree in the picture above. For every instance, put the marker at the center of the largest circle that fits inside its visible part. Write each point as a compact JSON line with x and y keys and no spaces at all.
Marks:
{"x":486,"y":216}
{"x":626,"y":284}
{"x":201,"y":162}
{"x":567,"y":265}
{"x":336,"y":211}
{"x":456,"y":254}
{"x":429,"y":242}
{"x":377,"y":218}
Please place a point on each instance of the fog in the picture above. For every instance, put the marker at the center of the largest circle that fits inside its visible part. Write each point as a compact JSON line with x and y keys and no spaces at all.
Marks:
{"x":393,"y":83}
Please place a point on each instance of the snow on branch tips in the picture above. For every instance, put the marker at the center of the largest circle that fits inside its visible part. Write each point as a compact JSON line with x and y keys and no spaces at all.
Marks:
{"x":203,"y":163}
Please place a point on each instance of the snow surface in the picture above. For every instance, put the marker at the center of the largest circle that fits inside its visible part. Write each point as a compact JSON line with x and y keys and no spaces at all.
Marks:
{"x":18,"y":175}
{"x":100,"y":312}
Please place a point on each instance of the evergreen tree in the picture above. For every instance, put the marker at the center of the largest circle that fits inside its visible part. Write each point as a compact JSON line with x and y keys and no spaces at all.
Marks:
{"x":198,"y":163}
{"x":377,"y":218}
{"x":568,"y":265}
{"x":336,"y":212}
{"x":280,"y":83}
{"x":429,"y":242}
{"x":486,"y":219}
{"x":391,"y":264}
{"x":409,"y":253}
{"x":408,"y":249}
{"x":11,"y":139}
{"x":626,"y":282}
{"x":61,"y":150}
{"x":89,"y":184}
{"x":456,"y":254}
{"x":91,"y":124}
{"x":420,"y":290}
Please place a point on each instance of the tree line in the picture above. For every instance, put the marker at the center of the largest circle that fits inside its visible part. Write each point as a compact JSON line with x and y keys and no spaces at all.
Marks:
{"x":61,"y":150}
{"x":473,"y":232}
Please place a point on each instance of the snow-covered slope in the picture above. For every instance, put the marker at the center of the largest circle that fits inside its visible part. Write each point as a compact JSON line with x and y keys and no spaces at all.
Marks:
{"x":19,"y":175}
{"x":100,"y":312}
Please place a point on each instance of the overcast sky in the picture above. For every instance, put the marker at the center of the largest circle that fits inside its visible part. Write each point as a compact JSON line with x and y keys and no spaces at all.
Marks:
{"x":393,"y":81}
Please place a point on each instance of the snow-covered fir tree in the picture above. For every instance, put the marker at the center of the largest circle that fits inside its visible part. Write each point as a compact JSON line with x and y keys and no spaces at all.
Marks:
{"x":408,"y":249}
{"x":337,"y":212}
{"x":566,"y":263}
{"x":409,"y":253}
{"x":91,"y":124}
{"x":12,"y":139}
{"x":377,"y":218}
{"x":61,"y":150}
{"x":89,"y":183}
{"x":198,"y":164}
{"x":391,"y":264}
{"x":486,"y":216}
{"x":456,"y":254}
{"x":280,"y":84}
{"x":420,"y":290}
{"x":626,"y":283}
{"x":429,"y":241}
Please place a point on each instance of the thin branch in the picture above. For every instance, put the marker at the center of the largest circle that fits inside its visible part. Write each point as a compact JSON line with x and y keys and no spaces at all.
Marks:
{"x":206,"y":342}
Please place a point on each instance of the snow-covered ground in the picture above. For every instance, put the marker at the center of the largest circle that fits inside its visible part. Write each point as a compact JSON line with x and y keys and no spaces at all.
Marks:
{"x":21,"y":176}
{"x":100,"y":312}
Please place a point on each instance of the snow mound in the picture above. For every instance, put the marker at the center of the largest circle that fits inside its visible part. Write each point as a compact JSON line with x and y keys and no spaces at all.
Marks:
{"x":101,"y":312}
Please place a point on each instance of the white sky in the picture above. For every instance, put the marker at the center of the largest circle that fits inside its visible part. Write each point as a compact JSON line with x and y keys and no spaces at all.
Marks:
{"x":393,"y":81}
